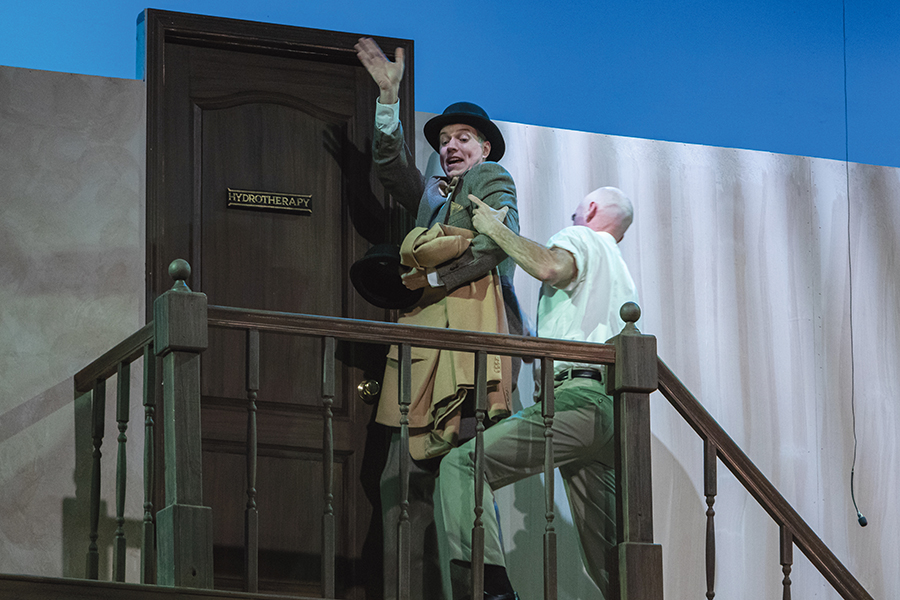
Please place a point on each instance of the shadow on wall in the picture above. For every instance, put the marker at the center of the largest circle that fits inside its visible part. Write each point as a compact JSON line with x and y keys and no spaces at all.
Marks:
{"x":76,"y":518}
{"x":36,"y":485}
{"x":76,"y":539}
{"x":18,"y":419}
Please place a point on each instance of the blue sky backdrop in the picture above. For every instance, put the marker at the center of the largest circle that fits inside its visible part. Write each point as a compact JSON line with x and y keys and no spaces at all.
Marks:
{"x":764,"y":75}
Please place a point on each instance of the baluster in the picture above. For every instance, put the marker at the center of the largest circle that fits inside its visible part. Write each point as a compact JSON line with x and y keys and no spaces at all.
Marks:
{"x":478,"y":529}
{"x":403,"y":547}
{"x":148,"y":550}
{"x":98,"y":412}
{"x":123,"y":398}
{"x":251,"y":515}
{"x":328,"y":541}
{"x":548,"y":411}
{"x":710,"y":483}
{"x":787,"y":559}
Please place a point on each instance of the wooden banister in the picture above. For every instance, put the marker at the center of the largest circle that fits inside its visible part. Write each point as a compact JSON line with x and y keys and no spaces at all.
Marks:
{"x":357,"y":330}
{"x":251,"y":514}
{"x":478,"y":528}
{"x":148,"y":543}
{"x":329,"y":543}
{"x":759,"y":486}
{"x":405,"y":531}
{"x":123,"y":402}
{"x":548,"y":412}
{"x":126,"y":351}
{"x":635,"y":371}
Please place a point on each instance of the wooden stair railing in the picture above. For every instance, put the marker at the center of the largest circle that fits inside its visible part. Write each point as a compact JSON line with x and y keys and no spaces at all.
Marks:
{"x":177,"y":538}
{"x":179,"y":332}
{"x":92,"y":379}
{"x":792,"y":528}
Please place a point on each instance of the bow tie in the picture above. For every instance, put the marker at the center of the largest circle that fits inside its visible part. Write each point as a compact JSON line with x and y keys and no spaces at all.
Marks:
{"x":446,"y":185}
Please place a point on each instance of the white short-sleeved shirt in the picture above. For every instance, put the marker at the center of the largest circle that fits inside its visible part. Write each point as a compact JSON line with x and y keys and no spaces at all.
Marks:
{"x":587,"y":310}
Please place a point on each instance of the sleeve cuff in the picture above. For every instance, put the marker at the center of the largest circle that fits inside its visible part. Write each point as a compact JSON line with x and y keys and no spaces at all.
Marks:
{"x":434,"y":279}
{"x":387,"y":116}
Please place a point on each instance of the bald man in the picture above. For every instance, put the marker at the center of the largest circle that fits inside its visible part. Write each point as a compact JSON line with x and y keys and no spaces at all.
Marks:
{"x":585,"y":283}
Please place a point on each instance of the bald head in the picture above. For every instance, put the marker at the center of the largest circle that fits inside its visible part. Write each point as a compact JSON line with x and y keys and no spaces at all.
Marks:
{"x":605,"y":209}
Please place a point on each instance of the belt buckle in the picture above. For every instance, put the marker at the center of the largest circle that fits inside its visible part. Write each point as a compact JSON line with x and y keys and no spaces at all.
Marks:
{"x":563,"y":375}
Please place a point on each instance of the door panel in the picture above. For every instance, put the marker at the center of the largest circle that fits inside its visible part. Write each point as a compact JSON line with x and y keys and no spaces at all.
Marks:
{"x":289,"y":563}
{"x":264,"y":259}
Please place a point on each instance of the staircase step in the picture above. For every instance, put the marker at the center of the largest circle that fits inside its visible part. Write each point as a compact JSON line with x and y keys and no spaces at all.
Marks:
{"x":26,"y":587}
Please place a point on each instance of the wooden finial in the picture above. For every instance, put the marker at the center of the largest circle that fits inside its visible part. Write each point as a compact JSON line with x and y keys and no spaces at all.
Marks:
{"x":180,"y":270}
{"x":630,"y":313}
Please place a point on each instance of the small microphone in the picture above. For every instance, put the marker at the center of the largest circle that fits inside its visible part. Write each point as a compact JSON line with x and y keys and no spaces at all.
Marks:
{"x":859,"y":516}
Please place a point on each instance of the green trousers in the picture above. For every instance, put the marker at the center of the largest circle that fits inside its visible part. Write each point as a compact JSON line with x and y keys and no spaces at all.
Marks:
{"x":583,"y":450}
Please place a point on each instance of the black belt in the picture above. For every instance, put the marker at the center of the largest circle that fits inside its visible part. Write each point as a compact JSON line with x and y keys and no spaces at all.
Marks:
{"x":587,"y":373}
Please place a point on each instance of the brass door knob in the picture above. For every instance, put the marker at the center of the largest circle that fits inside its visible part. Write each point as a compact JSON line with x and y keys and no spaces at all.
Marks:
{"x":368,"y":390}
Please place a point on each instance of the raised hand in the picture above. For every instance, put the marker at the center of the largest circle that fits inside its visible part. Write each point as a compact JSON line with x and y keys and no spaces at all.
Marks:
{"x":386,"y":74}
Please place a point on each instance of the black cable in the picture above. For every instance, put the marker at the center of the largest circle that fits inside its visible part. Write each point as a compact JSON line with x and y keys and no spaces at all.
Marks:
{"x":859,"y":517}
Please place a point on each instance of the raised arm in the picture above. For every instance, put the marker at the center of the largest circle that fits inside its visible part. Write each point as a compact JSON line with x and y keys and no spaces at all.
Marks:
{"x":554,"y":266}
{"x":394,"y":164}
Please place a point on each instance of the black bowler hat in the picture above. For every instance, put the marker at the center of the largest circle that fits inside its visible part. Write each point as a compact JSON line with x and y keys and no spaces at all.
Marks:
{"x":376,"y":277}
{"x":470,"y":114}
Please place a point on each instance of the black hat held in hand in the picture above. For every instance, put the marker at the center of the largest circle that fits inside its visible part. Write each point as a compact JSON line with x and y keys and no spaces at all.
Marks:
{"x":376,"y":277}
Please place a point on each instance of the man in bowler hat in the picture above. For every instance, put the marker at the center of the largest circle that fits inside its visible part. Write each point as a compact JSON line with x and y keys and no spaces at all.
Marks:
{"x":469,"y":144}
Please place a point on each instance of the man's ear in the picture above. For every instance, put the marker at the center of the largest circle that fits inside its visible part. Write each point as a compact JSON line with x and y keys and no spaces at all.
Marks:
{"x":485,"y":149}
{"x":590,"y":211}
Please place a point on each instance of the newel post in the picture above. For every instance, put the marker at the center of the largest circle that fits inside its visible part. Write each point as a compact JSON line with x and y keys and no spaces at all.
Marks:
{"x":184,"y":526}
{"x":632,"y":379}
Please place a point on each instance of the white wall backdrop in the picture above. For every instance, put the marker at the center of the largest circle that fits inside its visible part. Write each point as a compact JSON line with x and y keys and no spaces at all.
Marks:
{"x":71,"y":281}
{"x":745,"y":264}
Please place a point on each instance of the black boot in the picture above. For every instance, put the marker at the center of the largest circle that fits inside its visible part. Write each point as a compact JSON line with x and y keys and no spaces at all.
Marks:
{"x":496,"y":582}
{"x":506,"y":596}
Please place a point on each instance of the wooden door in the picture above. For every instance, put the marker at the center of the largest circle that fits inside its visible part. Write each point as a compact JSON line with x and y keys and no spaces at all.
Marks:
{"x":273,"y":111}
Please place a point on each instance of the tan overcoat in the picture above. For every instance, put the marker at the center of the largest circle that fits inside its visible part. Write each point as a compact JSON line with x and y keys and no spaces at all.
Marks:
{"x":442,"y":379}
